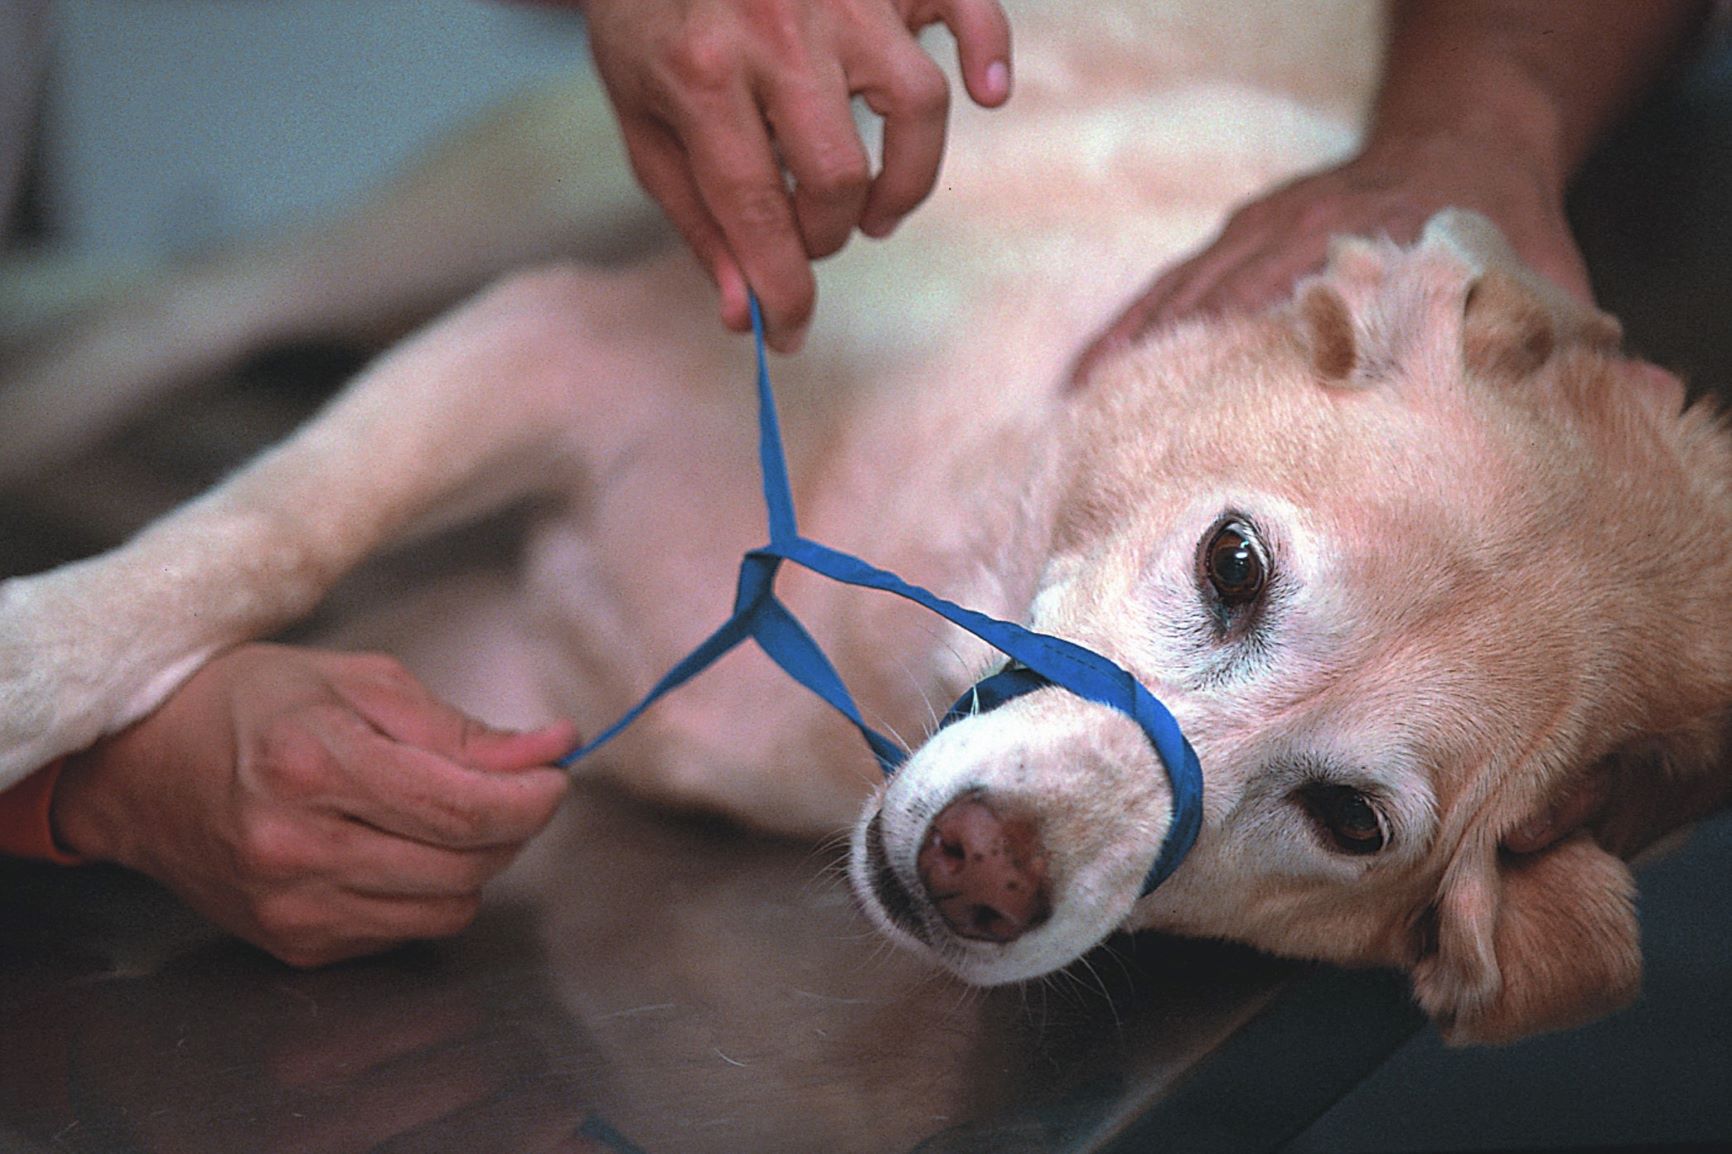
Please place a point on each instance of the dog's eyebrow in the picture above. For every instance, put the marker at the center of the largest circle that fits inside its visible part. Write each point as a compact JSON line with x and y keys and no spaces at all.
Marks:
{"x":1314,"y":765}
{"x":1286,"y":772}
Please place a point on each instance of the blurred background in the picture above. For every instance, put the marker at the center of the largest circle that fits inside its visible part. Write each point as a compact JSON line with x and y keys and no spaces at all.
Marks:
{"x":169,"y":126}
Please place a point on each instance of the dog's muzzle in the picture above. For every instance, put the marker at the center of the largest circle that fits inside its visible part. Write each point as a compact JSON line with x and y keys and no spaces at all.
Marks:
{"x":1175,"y":753}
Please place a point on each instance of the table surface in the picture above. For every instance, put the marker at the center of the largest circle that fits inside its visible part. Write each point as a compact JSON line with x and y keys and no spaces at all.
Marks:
{"x":641,"y":982}
{"x":638,"y":982}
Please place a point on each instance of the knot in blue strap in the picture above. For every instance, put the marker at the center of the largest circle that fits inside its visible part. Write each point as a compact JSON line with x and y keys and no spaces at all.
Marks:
{"x":1038,"y":661}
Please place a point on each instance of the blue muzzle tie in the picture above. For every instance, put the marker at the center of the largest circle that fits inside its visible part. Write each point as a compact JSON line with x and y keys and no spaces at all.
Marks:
{"x":1038,"y":661}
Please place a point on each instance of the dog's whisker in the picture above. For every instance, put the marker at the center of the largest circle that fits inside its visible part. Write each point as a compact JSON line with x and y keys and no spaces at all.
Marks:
{"x":1112,"y":950}
{"x":832,"y":850}
{"x":1100,"y":984}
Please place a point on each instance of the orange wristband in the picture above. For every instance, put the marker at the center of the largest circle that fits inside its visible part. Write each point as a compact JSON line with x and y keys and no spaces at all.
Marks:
{"x":26,"y":829}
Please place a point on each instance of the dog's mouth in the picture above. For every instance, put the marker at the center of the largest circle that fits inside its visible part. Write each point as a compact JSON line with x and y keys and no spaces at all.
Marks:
{"x":973,"y":856}
{"x":893,"y":897}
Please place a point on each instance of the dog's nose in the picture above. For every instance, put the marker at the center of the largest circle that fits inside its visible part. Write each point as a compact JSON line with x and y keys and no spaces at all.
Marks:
{"x":985,"y":870}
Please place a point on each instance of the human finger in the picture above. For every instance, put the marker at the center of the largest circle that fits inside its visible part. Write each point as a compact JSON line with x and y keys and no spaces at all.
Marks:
{"x":1187,"y":288}
{"x":983,"y":47}
{"x":908,"y":91}
{"x":741,"y":182}
{"x":1237,"y":248}
{"x":821,"y":147}
{"x":377,"y":864}
{"x":1254,"y":283}
{"x":1133,"y":321}
{"x":391,"y":699}
{"x":664,"y":170}
{"x":427,"y":797}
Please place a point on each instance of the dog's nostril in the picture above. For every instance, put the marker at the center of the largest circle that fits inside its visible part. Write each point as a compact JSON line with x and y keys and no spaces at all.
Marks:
{"x":985,"y":870}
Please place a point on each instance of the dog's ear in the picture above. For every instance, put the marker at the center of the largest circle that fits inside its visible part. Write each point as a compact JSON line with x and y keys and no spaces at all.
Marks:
{"x":1519,"y":944}
{"x":1513,"y":318}
{"x":1326,"y":327}
{"x":1506,"y":333}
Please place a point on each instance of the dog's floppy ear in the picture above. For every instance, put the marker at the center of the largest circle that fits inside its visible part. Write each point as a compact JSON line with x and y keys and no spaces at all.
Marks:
{"x":1505,"y":332}
{"x":1523,"y":943}
{"x":1326,"y":327}
{"x":1513,"y":318}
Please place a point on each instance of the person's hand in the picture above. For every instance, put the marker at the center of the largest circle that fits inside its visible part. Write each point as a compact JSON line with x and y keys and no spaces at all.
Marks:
{"x":320,"y":805}
{"x":716,"y":98}
{"x":1390,"y":190}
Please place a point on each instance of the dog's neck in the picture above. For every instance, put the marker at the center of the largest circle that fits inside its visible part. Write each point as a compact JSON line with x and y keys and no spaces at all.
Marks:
{"x":1679,"y":637}
{"x":1673,"y":641}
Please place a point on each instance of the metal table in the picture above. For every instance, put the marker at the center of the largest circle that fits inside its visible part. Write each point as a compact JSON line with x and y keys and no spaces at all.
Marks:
{"x":638,"y":983}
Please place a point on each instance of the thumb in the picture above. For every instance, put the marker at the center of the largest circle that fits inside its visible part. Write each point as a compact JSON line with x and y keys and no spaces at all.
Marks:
{"x":506,"y":751}
{"x":397,"y":705}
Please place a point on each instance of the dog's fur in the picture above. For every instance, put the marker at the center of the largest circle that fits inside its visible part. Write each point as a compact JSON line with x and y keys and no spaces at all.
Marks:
{"x":1498,"y":550}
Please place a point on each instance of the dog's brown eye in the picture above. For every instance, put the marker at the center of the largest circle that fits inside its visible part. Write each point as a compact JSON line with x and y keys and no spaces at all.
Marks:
{"x":1347,"y":817}
{"x":1233,"y":563}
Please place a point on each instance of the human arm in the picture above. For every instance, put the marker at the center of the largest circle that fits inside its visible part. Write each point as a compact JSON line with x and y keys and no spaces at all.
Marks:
{"x":320,"y":805}
{"x":716,"y":97}
{"x":1489,"y":105}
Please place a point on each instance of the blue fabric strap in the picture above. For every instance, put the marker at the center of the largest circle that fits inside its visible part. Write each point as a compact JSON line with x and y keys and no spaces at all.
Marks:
{"x":1040,"y":661}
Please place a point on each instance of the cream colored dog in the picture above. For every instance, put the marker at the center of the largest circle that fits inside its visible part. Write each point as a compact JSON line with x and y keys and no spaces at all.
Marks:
{"x":1415,"y":561}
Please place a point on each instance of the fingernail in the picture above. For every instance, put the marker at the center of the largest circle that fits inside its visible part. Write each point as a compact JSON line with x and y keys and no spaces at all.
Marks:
{"x":998,"y":80}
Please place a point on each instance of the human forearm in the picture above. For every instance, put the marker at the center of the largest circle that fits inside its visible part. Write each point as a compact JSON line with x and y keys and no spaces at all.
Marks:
{"x":1549,"y":75}
{"x":1488,"y":105}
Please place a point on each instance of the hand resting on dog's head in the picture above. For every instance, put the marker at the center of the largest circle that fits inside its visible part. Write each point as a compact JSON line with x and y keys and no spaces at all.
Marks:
{"x":1490,"y":110}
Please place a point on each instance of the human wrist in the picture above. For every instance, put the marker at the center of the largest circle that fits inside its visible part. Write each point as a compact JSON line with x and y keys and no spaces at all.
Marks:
{"x":1538,"y":79}
{"x":25,"y":829}
{"x":82,"y":816}
{"x":1515,"y":122}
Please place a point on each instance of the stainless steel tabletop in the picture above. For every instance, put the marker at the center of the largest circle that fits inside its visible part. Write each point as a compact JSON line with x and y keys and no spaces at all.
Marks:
{"x":638,"y":983}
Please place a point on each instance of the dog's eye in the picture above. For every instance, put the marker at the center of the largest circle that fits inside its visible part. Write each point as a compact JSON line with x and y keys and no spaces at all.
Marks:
{"x":1233,"y":563}
{"x":1348,"y":819}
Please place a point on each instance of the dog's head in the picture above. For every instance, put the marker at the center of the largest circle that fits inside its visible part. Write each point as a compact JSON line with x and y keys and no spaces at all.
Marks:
{"x":1390,"y":555}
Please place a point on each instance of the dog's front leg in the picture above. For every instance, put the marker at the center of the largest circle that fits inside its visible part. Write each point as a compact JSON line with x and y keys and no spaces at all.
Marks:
{"x":467,"y":412}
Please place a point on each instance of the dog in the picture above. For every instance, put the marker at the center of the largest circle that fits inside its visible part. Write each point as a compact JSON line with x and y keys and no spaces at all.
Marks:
{"x":1431,"y":574}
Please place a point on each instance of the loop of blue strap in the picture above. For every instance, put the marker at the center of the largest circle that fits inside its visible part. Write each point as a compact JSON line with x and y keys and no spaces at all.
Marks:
{"x":1046,"y":661}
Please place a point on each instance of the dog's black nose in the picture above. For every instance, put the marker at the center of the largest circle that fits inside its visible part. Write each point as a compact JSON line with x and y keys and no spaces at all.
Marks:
{"x":985,"y":870}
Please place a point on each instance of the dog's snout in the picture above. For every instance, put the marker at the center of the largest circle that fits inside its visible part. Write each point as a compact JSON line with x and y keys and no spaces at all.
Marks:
{"x":984,"y":870}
